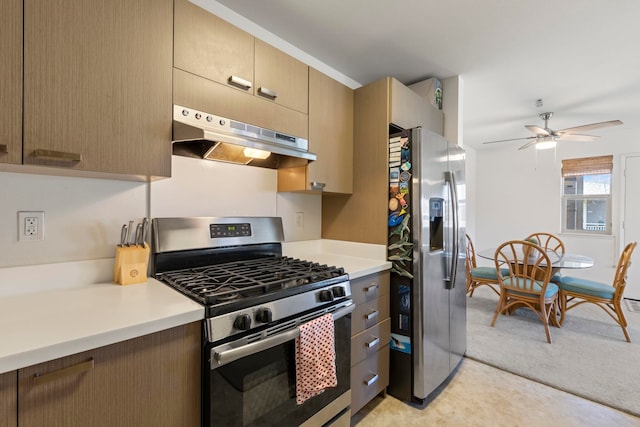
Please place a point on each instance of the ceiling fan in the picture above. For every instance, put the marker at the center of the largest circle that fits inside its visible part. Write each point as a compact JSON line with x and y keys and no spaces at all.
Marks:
{"x":546,"y":135}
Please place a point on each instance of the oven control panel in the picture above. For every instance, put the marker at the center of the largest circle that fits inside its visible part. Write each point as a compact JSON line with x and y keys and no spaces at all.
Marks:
{"x":229,"y":230}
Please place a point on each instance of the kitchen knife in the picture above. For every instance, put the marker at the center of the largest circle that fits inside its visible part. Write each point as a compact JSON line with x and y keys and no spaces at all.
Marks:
{"x":129,"y":228}
{"x":123,"y":235}
{"x":145,"y":230}
{"x":138,"y":236}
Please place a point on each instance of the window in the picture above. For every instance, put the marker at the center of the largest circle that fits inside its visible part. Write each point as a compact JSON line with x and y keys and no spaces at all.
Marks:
{"x":586,"y":195}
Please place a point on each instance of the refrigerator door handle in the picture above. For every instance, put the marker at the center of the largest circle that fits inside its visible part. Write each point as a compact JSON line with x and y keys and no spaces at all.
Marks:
{"x":450,"y":179}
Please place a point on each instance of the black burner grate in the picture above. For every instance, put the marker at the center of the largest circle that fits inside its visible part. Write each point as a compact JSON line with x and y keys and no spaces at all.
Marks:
{"x":221,"y":283}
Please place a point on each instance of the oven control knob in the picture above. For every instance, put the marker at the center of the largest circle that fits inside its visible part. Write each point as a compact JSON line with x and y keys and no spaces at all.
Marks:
{"x":242,"y":322}
{"x":264,"y":315}
{"x":326,"y":296}
{"x":338,"y":291}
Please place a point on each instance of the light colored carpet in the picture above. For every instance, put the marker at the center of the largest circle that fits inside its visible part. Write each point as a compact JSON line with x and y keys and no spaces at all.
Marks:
{"x":588,"y":356}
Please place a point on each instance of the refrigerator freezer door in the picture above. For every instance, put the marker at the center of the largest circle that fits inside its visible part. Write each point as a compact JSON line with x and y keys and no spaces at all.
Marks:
{"x":431,"y":314}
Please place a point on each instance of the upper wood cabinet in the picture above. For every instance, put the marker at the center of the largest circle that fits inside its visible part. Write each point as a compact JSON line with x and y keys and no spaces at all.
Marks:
{"x":97,"y":85}
{"x":330,"y":138}
{"x":11,"y":81}
{"x":209,"y":47}
{"x":281,"y":78}
{"x":363,"y":216}
{"x":9,"y":399}
{"x":150,"y":381}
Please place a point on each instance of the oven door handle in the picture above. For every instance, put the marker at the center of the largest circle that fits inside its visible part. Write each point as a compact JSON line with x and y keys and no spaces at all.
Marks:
{"x":227,"y":353}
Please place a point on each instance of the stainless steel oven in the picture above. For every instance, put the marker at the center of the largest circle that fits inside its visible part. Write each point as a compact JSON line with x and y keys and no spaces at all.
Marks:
{"x":255,"y":302}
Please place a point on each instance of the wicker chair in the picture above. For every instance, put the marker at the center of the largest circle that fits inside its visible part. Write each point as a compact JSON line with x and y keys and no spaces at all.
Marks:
{"x":527,"y":282}
{"x":575,"y":291}
{"x":554,"y":248}
{"x":478,"y":276}
{"x":550,"y":243}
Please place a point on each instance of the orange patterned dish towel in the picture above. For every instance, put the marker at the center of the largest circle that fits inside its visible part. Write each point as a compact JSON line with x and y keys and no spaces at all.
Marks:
{"x":315,"y":358}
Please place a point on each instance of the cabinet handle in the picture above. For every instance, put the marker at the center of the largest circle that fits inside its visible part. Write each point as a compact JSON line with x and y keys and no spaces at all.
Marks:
{"x":371,"y":315}
{"x":371,"y":380}
{"x":57,"y":155}
{"x":373,"y":342}
{"x":4,"y":148}
{"x":317,"y":186}
{"x":267,"y":93}
{"x":64,"y":372}
{"x":241,"y":83}
{"x":371,"y":288}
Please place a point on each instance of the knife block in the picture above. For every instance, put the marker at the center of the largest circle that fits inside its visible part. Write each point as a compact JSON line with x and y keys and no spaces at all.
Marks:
{"x":131,"y":264}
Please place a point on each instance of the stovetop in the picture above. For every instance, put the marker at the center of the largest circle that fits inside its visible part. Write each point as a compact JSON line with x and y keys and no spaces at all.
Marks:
{"x":235,"y":268}
{"x":234,"y":285}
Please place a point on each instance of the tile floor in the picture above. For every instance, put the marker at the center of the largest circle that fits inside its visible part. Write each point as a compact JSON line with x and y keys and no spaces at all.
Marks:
{"x":480,"y":395}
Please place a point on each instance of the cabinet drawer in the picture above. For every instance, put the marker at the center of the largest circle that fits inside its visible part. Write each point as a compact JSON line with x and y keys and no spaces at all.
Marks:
{"x":369,"y":341}
{"x":368,"y":378}
{"x":368,"y":314}
{"x":368,"y":288}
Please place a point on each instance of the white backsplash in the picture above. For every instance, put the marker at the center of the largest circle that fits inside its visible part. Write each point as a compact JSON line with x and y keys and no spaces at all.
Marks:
{"x":83,"y":216}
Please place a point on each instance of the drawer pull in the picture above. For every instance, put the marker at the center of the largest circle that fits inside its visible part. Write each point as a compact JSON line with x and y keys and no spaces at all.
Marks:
{"x":240,"y":82}
{"x":373,"y":342}
{"x":371,"y":315}
{"x":267,"y":93}
{"x":57,"y":155}
{"x":64,"y":372}
{"x":372,"y":380}
{"x":4,"y":148}
{"x":371,"y":288}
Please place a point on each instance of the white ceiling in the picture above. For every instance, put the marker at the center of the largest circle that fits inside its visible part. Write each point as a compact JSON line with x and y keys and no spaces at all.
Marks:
{"x":580,"y":56}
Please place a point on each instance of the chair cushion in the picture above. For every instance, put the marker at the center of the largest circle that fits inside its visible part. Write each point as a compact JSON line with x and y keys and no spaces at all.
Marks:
{"x":488,"y":272}
{"x":587,"y":287}
{"x":551,"y":290}
{"x":556,"y":278}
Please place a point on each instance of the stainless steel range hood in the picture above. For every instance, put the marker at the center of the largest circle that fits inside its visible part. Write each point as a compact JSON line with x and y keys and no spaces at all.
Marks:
{"x":207,"y":136}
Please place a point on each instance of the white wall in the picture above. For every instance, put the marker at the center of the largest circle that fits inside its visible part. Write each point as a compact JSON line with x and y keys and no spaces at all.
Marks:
{"x":519,"y":192}
{"x":83,"y":216}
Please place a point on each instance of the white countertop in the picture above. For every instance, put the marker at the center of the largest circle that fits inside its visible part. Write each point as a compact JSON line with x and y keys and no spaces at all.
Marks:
{"x":52,"y":311}
{"x":37,"y":326}
{"x":357,"y":259}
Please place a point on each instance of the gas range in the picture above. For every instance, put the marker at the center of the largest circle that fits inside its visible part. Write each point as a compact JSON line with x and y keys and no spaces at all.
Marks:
{"x":235,"y":268}
{"x":257,"y":303}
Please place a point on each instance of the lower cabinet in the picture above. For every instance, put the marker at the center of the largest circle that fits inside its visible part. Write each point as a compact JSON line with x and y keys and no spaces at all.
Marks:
{"x":8,"y":399}
{"x":148,"y":381}
{"x":370,"y":336}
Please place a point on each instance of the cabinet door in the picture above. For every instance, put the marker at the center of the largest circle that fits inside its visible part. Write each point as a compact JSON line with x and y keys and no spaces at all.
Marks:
{"x":210,"y":47}
{"x":8,"y":399}
{"x":148,"y":381}
{"x":11,"y":81}
{"x":97,"y":85}
{"x":281,"y":78}
{"x":331,"y":133}
{"x":330,"y":138}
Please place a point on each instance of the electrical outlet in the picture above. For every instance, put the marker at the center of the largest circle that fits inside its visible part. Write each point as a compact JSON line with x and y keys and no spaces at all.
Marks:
{"x":30,"y":225}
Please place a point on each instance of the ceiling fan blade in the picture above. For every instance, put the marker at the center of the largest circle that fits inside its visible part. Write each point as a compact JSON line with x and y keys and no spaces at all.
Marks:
{"x":507,"y":140}
{"x":588,"y":127}
{"x":576,"y":137}
{"x":537,"y":130}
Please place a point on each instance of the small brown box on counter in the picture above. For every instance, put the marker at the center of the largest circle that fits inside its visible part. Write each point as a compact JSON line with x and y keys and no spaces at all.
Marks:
{"x":131,"y":264}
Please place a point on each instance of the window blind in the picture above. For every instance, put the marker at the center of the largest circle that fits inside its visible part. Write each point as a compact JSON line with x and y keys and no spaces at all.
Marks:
{"x":587,"y":166}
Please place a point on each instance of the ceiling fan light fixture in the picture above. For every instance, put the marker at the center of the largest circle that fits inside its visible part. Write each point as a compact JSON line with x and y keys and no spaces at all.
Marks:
{"x":545,"y":145}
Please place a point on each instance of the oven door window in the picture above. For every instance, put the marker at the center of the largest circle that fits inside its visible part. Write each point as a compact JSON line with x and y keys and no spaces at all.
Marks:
{"x":259,"y":390}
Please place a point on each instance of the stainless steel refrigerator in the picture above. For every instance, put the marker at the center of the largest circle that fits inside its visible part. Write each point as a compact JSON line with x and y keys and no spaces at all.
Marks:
{"x":427,"y":248}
